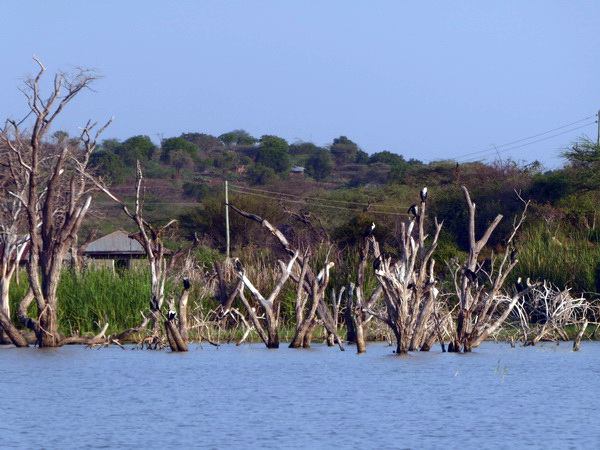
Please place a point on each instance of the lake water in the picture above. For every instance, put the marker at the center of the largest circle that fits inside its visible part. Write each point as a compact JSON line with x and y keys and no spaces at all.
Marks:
{"x":250,"y":397}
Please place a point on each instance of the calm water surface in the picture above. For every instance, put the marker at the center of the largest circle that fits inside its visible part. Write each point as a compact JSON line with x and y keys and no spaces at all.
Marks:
{"x":249,"y":397}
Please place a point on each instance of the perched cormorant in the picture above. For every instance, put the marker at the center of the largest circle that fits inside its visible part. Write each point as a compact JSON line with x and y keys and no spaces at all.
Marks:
{"x":238,"y":265}
{"x":513,"y":255}
{"x":369,"y":231}
{"x":424,"y":194}
{"x":519,"y":285}
{"x":414,"y":210}
{"x":377,"y":263}
{"x":186,"y":283}
{"x":171,"y":315}
{"x":471,"y":276}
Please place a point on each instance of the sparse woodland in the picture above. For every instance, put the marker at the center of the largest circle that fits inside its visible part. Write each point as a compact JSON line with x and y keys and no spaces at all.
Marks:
{"x":493,"y":251}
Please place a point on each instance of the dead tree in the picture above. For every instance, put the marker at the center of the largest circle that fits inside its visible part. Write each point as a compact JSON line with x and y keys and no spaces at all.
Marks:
{"x":482,"y":305}
{"x":312,"y":285}
{"x":547,"y":311}
{"x":269,"y":304}
{"x":227,"y":291}
{"x":307,"y":320}
{"x":409,"y":284}
{"x":57,"y":197}
{"x":357,"y":316}
{"x":12,"y":245}
{"x":336,"y":303}
{"x":151,"y":238}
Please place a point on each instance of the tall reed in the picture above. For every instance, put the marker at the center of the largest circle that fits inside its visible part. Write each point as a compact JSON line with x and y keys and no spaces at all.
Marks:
{"x":567,"y":260}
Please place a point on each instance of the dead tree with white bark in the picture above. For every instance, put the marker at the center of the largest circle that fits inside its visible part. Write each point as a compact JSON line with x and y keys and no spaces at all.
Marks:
{"x":50,"y":189}
{"x":13,"y":242}
{"x":311,"y":285}
{"x":483,"y":306}
{"x":409,"y":284}
{"x":546,"y":312}
{"x":358,"y":305}
{"x":269,"y":304}
{"x":151,"y":238}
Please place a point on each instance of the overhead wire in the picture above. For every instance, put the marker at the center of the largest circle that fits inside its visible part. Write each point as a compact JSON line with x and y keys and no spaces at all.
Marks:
{"x":313,"y":199}
{"x":495,"y":151}
{"x":320,"y":205}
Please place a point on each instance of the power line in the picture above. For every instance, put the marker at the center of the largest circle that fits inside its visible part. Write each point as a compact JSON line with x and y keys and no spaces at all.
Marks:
{"x":491,"y":152}
{"x":312,"y":199}
{"x":321,"y":205}
{"x":494,"y":149}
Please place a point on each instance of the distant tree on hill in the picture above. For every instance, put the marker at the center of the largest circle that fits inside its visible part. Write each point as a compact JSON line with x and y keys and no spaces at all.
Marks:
{"x":361,"y":157}
{"x":259,"y":174}
{"x":135,"y":148}
{"x":386,"y":157}
{"x":584,"y":160}
{"x":344,"y":150}
{"x":320,"y":164}
{"x":303,"y":148}
{"x":180,"y":159}
{"x":177,"y":143}
{"x":109,"y":145}
{"x":204,"y":142}
{"x":108,"y":165}
{"x":273,"y":153}
{"x":237,"y":137}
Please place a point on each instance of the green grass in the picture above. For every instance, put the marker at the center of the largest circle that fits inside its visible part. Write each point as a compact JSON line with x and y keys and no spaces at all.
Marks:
{"x":567,"y":260}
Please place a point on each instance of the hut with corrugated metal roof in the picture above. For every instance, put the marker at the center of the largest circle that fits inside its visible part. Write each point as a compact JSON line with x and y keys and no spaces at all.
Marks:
{"x":115,"y":250}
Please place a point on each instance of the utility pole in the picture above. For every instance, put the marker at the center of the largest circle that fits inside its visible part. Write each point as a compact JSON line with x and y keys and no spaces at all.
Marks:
{"x":227,"y":219}
{"x":598,"y":123}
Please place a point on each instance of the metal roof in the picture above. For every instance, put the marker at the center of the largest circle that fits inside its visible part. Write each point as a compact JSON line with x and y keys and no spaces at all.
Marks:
{"x":115,"y":242}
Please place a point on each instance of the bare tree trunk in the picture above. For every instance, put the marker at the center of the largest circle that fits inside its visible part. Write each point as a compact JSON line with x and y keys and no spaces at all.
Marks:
{"x":577,"y":341}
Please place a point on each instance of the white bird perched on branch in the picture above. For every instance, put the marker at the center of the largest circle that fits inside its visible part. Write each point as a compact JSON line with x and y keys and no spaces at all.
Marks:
{"x":424,"y":194}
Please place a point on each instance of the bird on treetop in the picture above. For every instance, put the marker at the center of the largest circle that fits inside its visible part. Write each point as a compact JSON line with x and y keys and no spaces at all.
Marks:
{"x":414,"y":210}
{"x":369,"y":231}
{"x":424,"y":194}
{"x":471,"y":276}
{"x":238,"y":265}
{"x":186,"y":283}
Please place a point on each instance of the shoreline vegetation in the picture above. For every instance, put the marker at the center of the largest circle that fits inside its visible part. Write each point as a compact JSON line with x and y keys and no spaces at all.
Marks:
{"x":328,"y":243}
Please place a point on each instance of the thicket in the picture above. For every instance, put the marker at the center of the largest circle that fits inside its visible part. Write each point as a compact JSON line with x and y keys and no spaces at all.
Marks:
{"x":348,"y":189}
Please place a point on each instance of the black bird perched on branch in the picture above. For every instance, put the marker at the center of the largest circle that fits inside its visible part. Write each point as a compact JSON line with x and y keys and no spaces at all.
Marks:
{"x":519,"y":285}
{"x":471,"y":276}
{"x":513,"y":255}
{"x":414,"y":210}
{"x":369,"y":231}
{"x":238,"y":265}
{"x":377,"y":263}
{"x":186,"y":283}
{"x":171,"y":315}
{"x":424,"y":194}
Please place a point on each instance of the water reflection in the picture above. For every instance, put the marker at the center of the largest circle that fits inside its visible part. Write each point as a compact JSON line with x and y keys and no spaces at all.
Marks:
{"x":247,"y":397}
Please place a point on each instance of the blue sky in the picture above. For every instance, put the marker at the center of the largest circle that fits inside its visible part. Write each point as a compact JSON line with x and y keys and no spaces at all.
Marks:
{"x":428,"y":80}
